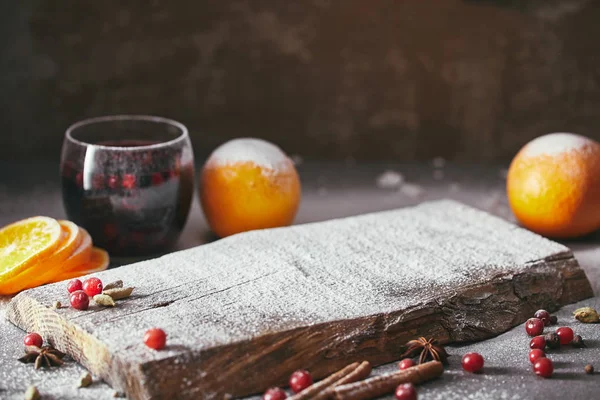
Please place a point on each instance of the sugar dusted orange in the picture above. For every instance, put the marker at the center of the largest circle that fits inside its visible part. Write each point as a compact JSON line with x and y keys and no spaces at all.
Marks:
{"x":24,"y":243}
{"x":249,"y":184}
{"x":47,"y":267}
{"x":553,"y":185}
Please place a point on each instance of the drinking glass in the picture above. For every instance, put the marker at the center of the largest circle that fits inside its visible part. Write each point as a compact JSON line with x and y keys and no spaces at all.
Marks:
{"x":129,"y":181}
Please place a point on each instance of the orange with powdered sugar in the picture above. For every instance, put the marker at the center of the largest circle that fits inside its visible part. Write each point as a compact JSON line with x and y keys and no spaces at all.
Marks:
{"x":553,"y":185}
{"x":249,"y":184}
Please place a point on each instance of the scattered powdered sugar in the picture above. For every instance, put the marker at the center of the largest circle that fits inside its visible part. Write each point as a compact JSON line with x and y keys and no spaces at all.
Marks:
{"x":258,"y":151}
{"x":390,"y":180}
{"x":556,"y":143}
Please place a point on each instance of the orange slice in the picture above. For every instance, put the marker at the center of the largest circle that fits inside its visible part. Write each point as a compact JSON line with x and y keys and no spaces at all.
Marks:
{"x":98,"y":262}
{"x":25,"y":243}
{"x":81,"y":255}
{"x":46,"y":268}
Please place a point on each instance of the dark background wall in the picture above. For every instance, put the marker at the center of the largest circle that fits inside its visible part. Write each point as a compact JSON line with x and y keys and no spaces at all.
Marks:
{"x":347,"y":79}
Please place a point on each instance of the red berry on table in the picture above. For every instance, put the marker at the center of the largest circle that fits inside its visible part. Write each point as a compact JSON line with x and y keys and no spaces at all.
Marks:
{"x":472,"y":362}
{"x":92,"y":286}
{"x":300,"y":380}
{"x":33,"y":339}
{"x":534,"y":326}
{"x":79,"y":300}
{"x":406,"y":363}
{"x":74,"y":284}
{"x":544,"y":316}
{"x":155,"y":338}
{"x":535,"y":355}
{"x":406,"y":391}
{"x":565,"y":334}
{"x":538,"y":342}
{"x":543,"y":367}
{"x":274,"y":393}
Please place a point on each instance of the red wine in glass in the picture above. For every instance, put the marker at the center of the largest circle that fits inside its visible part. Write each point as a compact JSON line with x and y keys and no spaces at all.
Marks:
{"x":129,"y":181}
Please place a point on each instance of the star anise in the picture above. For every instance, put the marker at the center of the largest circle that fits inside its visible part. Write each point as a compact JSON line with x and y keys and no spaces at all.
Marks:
{"x":428,"y":349}
{"x":46,"y":356}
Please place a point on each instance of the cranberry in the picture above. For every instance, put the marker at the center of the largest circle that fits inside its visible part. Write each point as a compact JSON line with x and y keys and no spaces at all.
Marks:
{"x":274,"y":393}
{"x":128,"y":181}
{"x":565,"y":334}
{"x":113,"y":182}
{"x":155,"y":338}
{"x":406,"y":363}
{"x":543,"y":367}
{"x":472,"y":362}
{"x":33,"y":339}
{"x":544,"y":316}
{"x":534,"y":326}
{"x":406,"y":391}
{"x":300,"y":380}
{"x":538,"y":342}
{"x":92,"y":286}
{"x":79,"y":300}
{"x":536,"y":354}
{"x":74,"y":284}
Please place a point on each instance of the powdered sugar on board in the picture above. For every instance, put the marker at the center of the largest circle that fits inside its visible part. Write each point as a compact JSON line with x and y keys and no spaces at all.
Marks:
{"x":316,"y":273}
{"x":284,"y":287}
{"x":258,"y":151}
{"x":556,"y":143}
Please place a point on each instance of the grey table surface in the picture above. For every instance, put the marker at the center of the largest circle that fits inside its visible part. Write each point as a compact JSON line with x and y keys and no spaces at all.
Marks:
{"x":331,"y":191}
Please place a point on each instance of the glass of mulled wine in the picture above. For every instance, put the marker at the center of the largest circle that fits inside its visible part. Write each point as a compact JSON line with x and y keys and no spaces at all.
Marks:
{"x":129,"y":181}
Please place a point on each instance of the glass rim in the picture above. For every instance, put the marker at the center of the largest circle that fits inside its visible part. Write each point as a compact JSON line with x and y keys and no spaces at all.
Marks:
{"x":128,"y":117}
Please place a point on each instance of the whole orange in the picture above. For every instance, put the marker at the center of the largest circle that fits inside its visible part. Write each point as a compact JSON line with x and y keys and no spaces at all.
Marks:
{"x":249,"y":184}
{"x":553,"y":185}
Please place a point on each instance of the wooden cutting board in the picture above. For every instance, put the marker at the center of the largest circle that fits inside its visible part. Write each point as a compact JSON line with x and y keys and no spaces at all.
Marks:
{"x":244,"y":312}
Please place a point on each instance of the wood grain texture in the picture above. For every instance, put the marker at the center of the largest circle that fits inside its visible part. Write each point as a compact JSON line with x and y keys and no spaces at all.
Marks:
{"x":244,"y":312}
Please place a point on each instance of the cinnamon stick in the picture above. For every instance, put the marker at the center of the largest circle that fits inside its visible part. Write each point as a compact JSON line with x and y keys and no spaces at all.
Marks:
{"x":384,"y":384}
{"x":318,"y":387}
{"x":359,"y":373}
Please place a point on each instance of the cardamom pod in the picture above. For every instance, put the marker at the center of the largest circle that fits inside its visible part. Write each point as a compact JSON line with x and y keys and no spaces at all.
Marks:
{"x":118,"y":293}
{"x":114,"y":285}
{"x":85,"y":380}
{"x":587,"y":315}
{"x":32,"y":393}
{"x":104,"y":300}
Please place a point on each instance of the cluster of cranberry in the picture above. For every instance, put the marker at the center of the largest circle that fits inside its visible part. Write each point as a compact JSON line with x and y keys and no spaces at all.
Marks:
{"x":80,"y":292}
{"x":299,"y":381}
{"x":542,"y":366}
